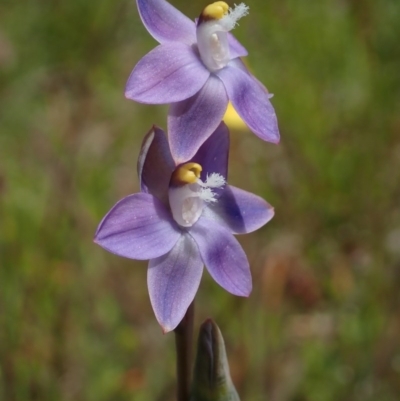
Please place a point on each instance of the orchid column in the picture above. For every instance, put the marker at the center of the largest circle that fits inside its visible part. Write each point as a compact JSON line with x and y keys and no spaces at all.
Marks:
{"x":186,"y":215}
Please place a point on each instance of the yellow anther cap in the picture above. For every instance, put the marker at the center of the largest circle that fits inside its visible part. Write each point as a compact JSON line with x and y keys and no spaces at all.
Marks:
{"x":188,"y":173}
{"x":215,"y":10}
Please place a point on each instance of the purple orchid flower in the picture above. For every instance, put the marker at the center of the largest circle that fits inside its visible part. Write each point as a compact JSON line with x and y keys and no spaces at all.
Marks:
{"x":184,"y":216}
{"x":197,"y":68}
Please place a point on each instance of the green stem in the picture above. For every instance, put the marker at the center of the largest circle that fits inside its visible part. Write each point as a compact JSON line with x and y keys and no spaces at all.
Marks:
{"x":183,"y":343}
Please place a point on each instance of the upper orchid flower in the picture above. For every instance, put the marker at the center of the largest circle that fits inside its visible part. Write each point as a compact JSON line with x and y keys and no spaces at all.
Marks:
{"x":197,"y":68}
{"x":184,"y":216}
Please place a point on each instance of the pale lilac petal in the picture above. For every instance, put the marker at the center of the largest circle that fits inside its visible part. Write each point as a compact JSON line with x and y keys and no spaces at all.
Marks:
{"x":223,"y":256}
{"x":251,"y":100}
{"x":155,"y":164}
{"x":239,"y":211}
{"x":169,"y":73}
{"x":238,"y":63}
{"x":165,"y":23}
{"x":173,"y":280}
{"x":193,"y":120}
{"x":213,"y":154}
{"x":236,"y":49}
{"x":138,"y":227}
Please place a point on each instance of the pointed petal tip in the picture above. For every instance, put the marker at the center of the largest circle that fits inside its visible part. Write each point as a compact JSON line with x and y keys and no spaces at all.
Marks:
{"x":270,"y":135}
{"x":165,"y":329}
{"x":245,"y":294}
{"x":243,"y":291}
{"x":96,"y":238}
{"x":128,"y":93}
{"x":271,"y":213}
{"x":277,"y":141}
{"x":153,"y":129}
{"x":273,"y":138}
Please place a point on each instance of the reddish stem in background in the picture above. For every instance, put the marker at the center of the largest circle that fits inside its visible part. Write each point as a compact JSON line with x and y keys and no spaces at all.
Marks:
{"x":183,"y":343}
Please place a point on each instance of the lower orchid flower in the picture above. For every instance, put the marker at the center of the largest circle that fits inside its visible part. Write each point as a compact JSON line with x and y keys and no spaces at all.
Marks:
{"x":184,"y":217}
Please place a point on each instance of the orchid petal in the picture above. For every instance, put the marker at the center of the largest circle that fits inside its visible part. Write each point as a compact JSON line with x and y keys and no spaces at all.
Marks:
{"x":238,"y":63}
{"x":213,"y":154}
{"x":165,"y":23}
{"x":138,"y":227}
{"x":236,"y":49}
{"x":223,"y":256}
{"x":251,"y":100}
{"x":155,"y":164}
{"x":173,"y":280}
{"x":169,"y":73}
{"x":239,"y":211}
{"x":193,"y":120}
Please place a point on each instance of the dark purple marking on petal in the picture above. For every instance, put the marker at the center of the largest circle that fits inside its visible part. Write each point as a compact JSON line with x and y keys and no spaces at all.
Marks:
{"x":251,"y":100}
{"x":223,"y":256}
{"x":155,"y":164}
{"x":239,"y":211}
{"x":138,"y":227}
{"x":213,"y":154}
{"x":169,"y":73}
{"x":173,"y":280}
{"x":193,"y":120}
{"x":166,"y":23}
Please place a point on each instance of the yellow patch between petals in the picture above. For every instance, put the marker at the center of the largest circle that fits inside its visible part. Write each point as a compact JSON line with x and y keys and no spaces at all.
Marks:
{"x":232,"y":118}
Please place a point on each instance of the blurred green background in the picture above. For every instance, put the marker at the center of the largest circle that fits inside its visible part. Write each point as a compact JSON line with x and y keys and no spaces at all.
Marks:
{"x":323,"y":321}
